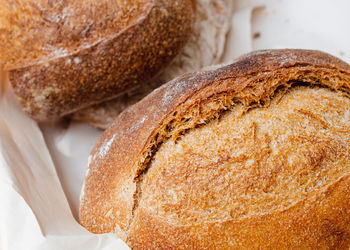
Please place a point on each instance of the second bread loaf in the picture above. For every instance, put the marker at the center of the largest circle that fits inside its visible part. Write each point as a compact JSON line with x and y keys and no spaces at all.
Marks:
{"x":103,"y":51}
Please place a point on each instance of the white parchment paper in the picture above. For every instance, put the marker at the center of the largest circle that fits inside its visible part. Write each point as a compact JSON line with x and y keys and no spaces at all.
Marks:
{"x":34,"y":212}
{"x":42,"y":168}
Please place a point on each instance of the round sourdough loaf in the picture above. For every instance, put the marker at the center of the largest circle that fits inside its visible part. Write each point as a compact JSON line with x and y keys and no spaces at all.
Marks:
{"x":252,"y":155}
{"x":67,"y":55}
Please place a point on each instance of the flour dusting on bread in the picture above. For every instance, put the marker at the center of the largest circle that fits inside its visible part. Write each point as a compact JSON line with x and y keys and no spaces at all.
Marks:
{"x":105,"y":147}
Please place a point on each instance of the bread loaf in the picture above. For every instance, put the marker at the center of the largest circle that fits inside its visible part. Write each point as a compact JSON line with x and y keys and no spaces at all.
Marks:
{"x":68,"y":55}
{"x":252,"y":155}
{"x":205,"y":47}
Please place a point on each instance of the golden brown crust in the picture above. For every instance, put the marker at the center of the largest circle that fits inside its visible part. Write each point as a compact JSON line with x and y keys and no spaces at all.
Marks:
{"x":121,"y":159}
{"x":133,"y":53}
{"x":34,"y":31}
{"x":321,"y":222}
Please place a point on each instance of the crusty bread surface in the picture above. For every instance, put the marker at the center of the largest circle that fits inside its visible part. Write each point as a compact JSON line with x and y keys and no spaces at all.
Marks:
{"x":205,"y":47}
{"x":252,"y":155}
{"x":74,"y":54}
{"x":35,"y":31}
